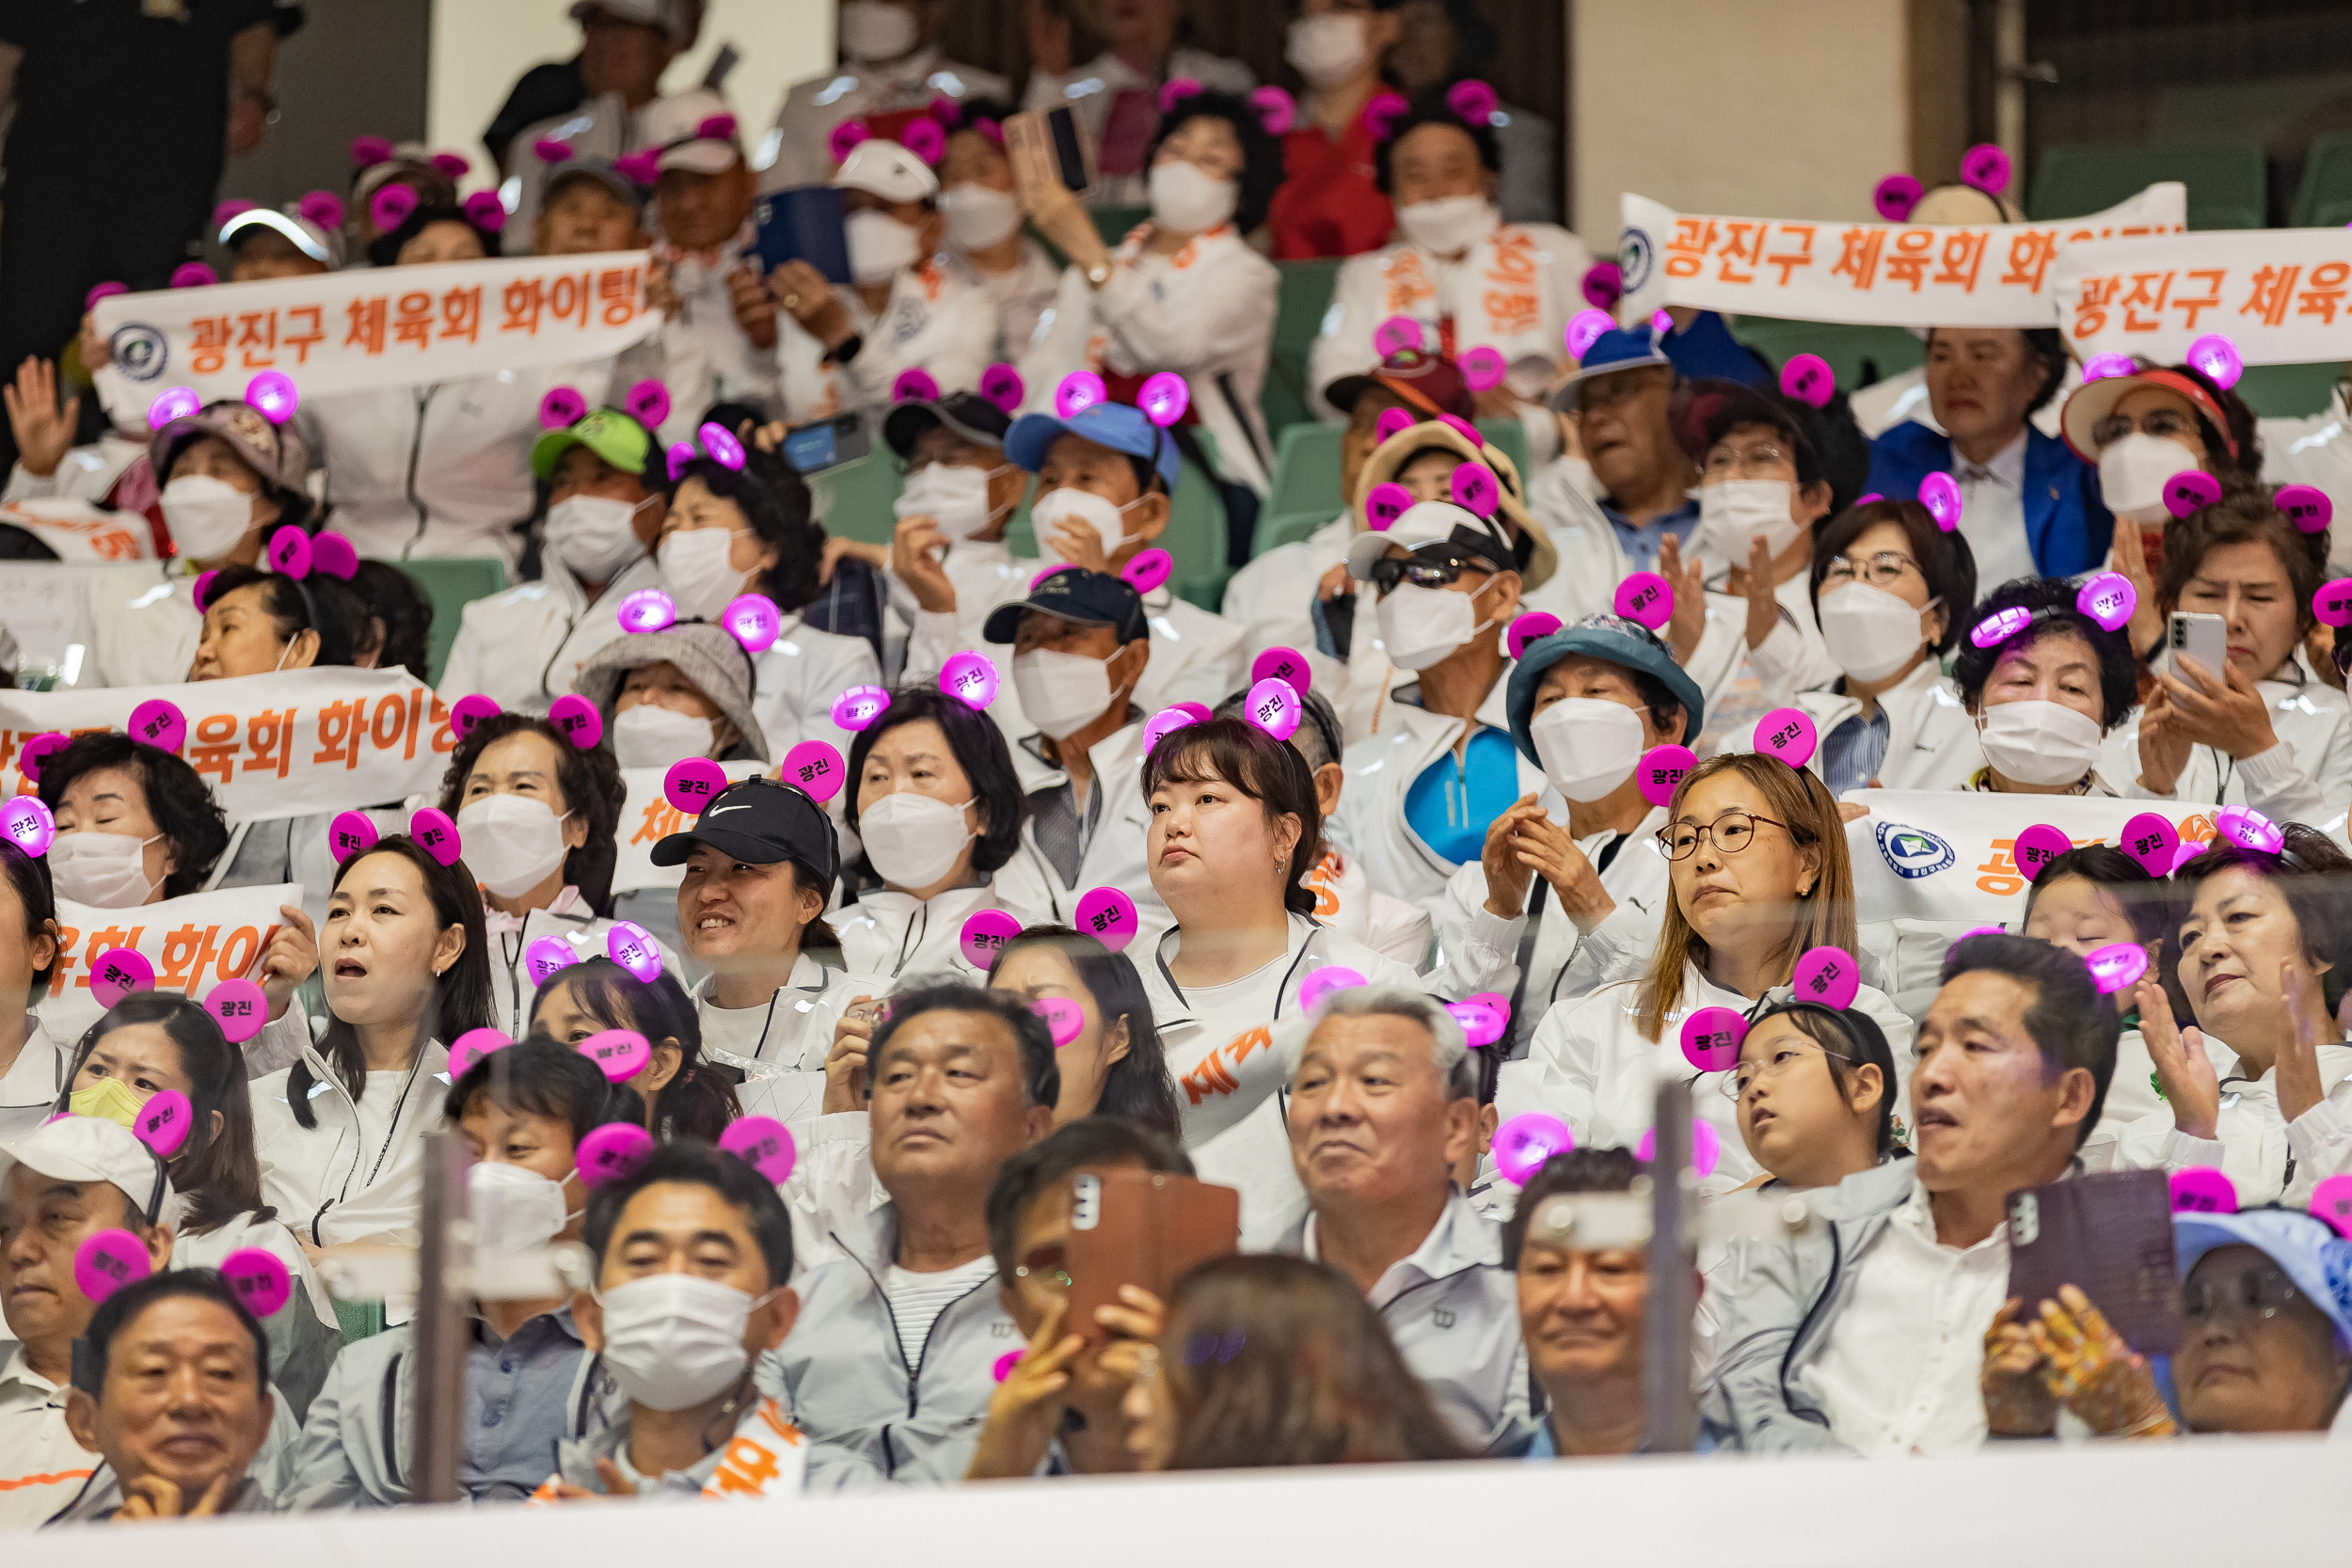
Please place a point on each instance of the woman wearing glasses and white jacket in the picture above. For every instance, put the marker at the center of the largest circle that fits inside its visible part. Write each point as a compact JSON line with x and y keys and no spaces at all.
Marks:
{"x":1762,"y":878}
{"x":1892,"y":592}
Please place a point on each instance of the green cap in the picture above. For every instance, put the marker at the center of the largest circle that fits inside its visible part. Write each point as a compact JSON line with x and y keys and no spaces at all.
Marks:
{"x":606,"y":431}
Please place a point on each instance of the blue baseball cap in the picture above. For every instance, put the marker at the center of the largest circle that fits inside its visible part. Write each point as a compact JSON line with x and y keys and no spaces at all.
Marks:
{"x":1614,"y":639}
{"x":2306,"y":1248}
{"x":1620,"y":348}
{"x":1114,"y":425}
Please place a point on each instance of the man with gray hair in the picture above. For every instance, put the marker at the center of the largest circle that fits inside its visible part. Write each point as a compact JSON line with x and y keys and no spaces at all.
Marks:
{"x":1383,"y":1102}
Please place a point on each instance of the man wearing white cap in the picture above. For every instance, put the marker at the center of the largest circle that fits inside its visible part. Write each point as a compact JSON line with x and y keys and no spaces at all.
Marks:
{"x":270,"y":243}
{"x":844,"y":347}
{"x":719,"y":340}
{"x":59,"y":1185}
{"x":891,"y":70}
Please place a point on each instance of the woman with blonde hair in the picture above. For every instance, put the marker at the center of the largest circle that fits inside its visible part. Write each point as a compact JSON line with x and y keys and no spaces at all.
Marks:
{"x":1758,"y":874}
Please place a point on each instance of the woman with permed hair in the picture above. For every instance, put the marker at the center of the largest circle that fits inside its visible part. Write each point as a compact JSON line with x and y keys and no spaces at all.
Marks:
{"x":2047,"y":685}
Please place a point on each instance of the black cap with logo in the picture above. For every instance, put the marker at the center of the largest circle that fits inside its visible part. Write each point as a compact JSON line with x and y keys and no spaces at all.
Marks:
{"x":1079,"y":596}
{"x":760,"y":821}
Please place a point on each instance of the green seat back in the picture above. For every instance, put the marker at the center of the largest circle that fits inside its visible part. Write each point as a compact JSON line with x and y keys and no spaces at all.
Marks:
{"x":449,"y":583}
{"x":2289,"y":392}
{"x":1889,"y":350}
{"x":2324,"y":198}
{"x":1304,"y":298}
{"x":859,"y":496}
{"x":2225,"y":180}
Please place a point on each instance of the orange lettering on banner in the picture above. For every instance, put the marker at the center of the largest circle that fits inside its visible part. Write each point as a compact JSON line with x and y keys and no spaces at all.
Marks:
{"x":2002,"y":879}
{"x":239,"y":949}
{"x":659,"y":821}
{"x":213,"y":746}
{"x":2141,"y":294}
{"x":1686,"y":253}
{"x":414,"y":324}
{"x":1515,"y":258}
{"x":522,"y":301}
{"x":1914,"y":251}
{"x":746,"y":1467}
{"x":617,"y":287}
{"x":2273,"y":288}
{"x":461,"y":314}
{"x":186,"y":951}
{"x":342,"y":726}
{"x":2030,"y":255}
{"x":257,"y":329}
{"x":1859,"y":257}
{"x":366,"y":329}
{"x":444,"y":738}
{"x":69,"y":942}
{"x":2191,"y":308}
{"x":2325,"y":294}
{"x":105,"y":937}
{"x":1743,"y":245}
{"x":1963,"y":254}
{"x":2090,"y":312}
{"x":208,"y":344}
{"x":394,"y":707}
{"x":300,"y":343}
{"x":1407,"y":284}
{"x":1323,"y":881}
{"x":1789,"y":261}
{"x":269,"y":741}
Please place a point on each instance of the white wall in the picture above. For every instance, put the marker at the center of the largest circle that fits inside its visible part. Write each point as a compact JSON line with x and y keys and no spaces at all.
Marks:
{"x":480,"y":47}
{"x":1795,"y":108}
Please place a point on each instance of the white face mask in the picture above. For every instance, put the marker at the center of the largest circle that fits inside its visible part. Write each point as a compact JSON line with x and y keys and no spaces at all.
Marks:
{"x":881,"y":247}
{"x":978,"y":215}
{"x":207,"y":516}
{"x":1188,"y":200}
{"x":1056,"y":506}
{"x":1062,"y":692}
{"x":950,"y":495}
{"x":1869,"y":631}
{"x":869,"y":30}
{"x":913,"y":840}
{"x":651,"y":735}
{"x":1449,"y":226}
{"x":1419,"y":627}
{"x":2131,"y":471}
{"x":1328,"y":49}
{"x":1588,"y":746}
{"x":1738,"y":510}
{"x":2037,"y":743}
{"x":673,"y":1340}
{"x":594,"y":536}
{"x":513,"y":1209}
{"x":512,"y":842}
{"x":107,"y":871}
{"x":697,"y":570}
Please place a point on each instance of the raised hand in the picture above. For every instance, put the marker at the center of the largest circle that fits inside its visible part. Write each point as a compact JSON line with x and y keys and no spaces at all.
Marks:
{"x":43,"y":431}
{"x":2183,"y":1072}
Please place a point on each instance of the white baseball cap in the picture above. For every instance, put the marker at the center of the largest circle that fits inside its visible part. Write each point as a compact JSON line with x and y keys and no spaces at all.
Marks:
{"x":681,"y":126}
{"x":669,"y":15}
{"x":92,"y":1149}
{"x":888,"y":170}
{"x":1430,"y":523}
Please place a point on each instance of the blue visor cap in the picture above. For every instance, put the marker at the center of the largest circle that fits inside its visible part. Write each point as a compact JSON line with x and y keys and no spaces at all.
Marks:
{"x":1620,"y":348}
{"x":1614,"y":639}
{"x":1106,"y":424}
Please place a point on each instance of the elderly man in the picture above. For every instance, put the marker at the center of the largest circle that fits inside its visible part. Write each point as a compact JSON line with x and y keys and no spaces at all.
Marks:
{"x":1636,"y":504}
{"x":59,"y":1185}
{"x":1382,"y":1105}
{"x":172,"y":1387}
{"x":1871,"y":1341}
{"x":890,"y":1371}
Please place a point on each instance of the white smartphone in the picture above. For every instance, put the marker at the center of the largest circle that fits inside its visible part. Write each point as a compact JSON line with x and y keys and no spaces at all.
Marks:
{"x":2203,"y":638}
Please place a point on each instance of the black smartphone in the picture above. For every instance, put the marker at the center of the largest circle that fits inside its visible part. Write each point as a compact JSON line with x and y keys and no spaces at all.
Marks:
{"x":826,"y":444}
{"x":1061,"y":125}
{"x":806,"y":223}
{"x":2110,"y":1234}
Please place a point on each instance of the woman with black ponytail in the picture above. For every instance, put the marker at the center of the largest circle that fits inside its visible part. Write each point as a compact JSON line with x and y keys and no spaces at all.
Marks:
{"x":685,"y":1097}
{"x":406,"y":970}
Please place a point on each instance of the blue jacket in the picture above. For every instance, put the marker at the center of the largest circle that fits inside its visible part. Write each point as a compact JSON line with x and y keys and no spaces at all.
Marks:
{"x":2066,"y":523}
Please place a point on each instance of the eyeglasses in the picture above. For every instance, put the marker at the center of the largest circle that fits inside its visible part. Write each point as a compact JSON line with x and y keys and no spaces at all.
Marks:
{"x":1736,"y":1085}
{"x":1732,"y":832}
{"x":1882,"y":570}
{"x":1613,"y":388}
{"x":1761,"y":461}
{"x":2262,"y":1290}
{"x":1422,"y":570}
{"x":2154,"y":421}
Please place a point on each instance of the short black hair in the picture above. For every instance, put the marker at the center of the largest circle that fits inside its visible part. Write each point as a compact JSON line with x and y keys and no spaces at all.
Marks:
{"x":1579,"y":1170}
{"x":2146,"y":900}
{"x":694,"y":1162}
{"x":1431,"y":109}
{"x":322,"y":602}
{"x":1074,"y":1145}
{"x":2051,"y":603}
{"x":978,"y":743}
{"x":1137,"y":1087}
{"x":2046,"y":345}
{"x":1260,"y":153}
{"x":700,"y":1100}
{"x":384,"y":250}
{"x":178,"y":799}
{"x":776,"y":503}
{"x":28,"y":878}
{"x":2073,"y":1023}
{"x":95,"y":1348}
{"x":544,"y":1077}
{"x":589,"y":778}
{"x":1855,"y":1037}
{"x":393,"y":597}
{"x":1269,"y":771}
{"x":1040,"y":1079}
{"x":1945,"y":559}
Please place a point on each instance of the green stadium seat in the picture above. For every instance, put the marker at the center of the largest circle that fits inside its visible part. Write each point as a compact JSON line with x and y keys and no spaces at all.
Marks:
{"x":2289,"y":392}
{"x":858,"y":496}
{"x":2324,"y":200}
{"x":2226,"y":179}
{"x":449,"y":583}
{"x":1305,"y":297}
{"x":1890,"y":350}
{"x":1304,"y":494}
{"x":1112,"y":223}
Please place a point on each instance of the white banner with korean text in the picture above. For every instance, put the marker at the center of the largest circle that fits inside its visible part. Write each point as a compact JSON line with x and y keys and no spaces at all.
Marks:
{"x":1866,"y":274}
{"x":194,"y":942}
{"x":647,"y":818}
{"x":2283,"y":296}
{"x":293,"y":743}
{"x":371,"y":327}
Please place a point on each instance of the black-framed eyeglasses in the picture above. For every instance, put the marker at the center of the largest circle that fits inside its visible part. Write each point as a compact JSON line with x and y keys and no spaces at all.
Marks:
{"x":2259,"y":1290}
{"x":1883,"y":569}
{"x":1733,"y":831}
{"x":1735,"y":1086}
{"x":1423,"y":571}
{"x":2170,"y":423}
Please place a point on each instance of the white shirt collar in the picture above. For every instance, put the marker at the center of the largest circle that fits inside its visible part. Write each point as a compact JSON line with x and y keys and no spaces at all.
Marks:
{"x":2007,"y":467}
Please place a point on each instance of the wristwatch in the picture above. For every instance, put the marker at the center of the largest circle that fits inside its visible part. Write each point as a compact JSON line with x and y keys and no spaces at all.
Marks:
{"x":1098,"y":274}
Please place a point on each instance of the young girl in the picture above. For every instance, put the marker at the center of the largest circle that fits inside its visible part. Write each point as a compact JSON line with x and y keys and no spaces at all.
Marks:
{"x":685,"y":1096}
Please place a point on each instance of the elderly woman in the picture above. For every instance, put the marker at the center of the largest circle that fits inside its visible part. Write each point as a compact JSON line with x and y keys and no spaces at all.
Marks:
{"x":2045,"y":685}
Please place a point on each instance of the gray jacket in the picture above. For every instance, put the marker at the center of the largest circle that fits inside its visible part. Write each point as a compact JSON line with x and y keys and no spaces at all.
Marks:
{"x":771,"y":1459}
{"x":360,"y":1434}
{"x":1453,"y":1309}
{"x":1779,"y":1317}
{"x":869,"y":1415}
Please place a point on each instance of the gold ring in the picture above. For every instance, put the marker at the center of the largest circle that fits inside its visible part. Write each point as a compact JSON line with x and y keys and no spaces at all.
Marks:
{"x":791,"y":302}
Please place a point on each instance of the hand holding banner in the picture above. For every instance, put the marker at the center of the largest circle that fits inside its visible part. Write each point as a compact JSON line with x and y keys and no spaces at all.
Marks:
{"x":193,"y":942}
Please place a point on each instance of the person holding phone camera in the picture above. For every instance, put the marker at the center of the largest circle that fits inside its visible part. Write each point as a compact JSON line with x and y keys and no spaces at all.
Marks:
{"x":1870,"y":1341}
{"x":986,"y":241}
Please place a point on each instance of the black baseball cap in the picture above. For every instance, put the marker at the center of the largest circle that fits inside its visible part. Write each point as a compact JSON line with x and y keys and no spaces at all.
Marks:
{"x":760,"y":821}
{"x":968,"y":414}
{"x":1079,"y":596}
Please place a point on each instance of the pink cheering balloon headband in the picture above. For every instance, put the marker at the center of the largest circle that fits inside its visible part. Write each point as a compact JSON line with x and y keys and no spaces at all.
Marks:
{"x":817,"y":768}
{"x":2202,"y":1190}
{"x":711,"y":440}
{"x":436,"y":834}
{"x":391,"y":206}
{"x":612,"y":1152}
{"x":2190,"y":490}
{"x":2217,"y":358}
{"x":107,"y":1260}
{"x":2101,"y":366}
{"x":296,"y":554}
{"x":1986,"y":167}
{"x":2331,"y":1202}
{"x":1278,"y":111}
{"x":1940,"y":494}
{"x":455,"y":164}
{"x":2150,"y":840}
{"x":984,"y":934}
{"x":2109,"y":600}
{"x":1383,"y":112}
{"x":1533,"y":626}
{"x":1602,"y":286}
{"x":1472,"y":99}
{"x":550,"y":151}
{"x":368,"y":151}
{"x":486,"y":211}
{"x":1077,"y":392}
{"x":324,"y":207}
{"x":925,"y":140}
{"x":719,"y":127}
{"x":193,"y":274}
{"x":1896,"y":195}
{"x":1176,"y":91}
{"x":2037,"y":846}
{"x":1001,"y":385}
{"x":1808,"y":379}
{"x":631,"y":946}
{"x":27,"y":824}
{"x":639,"y":168}
{"x":470,"y":1047}
{"x":621,"y":1054}
{"x":1645,"y":598}
{"x":562,"y":409}
{"x":234,"y":207}
{"x":843,"y":139}
{"x":914,"y":385}
{"x":1826,"y":977}
{"x":1788,"y":735}
{"x":2249,"y":830}
{"x":2305,"y":506}
{"x":1108,"y":915}
{"x":970,"y":678}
